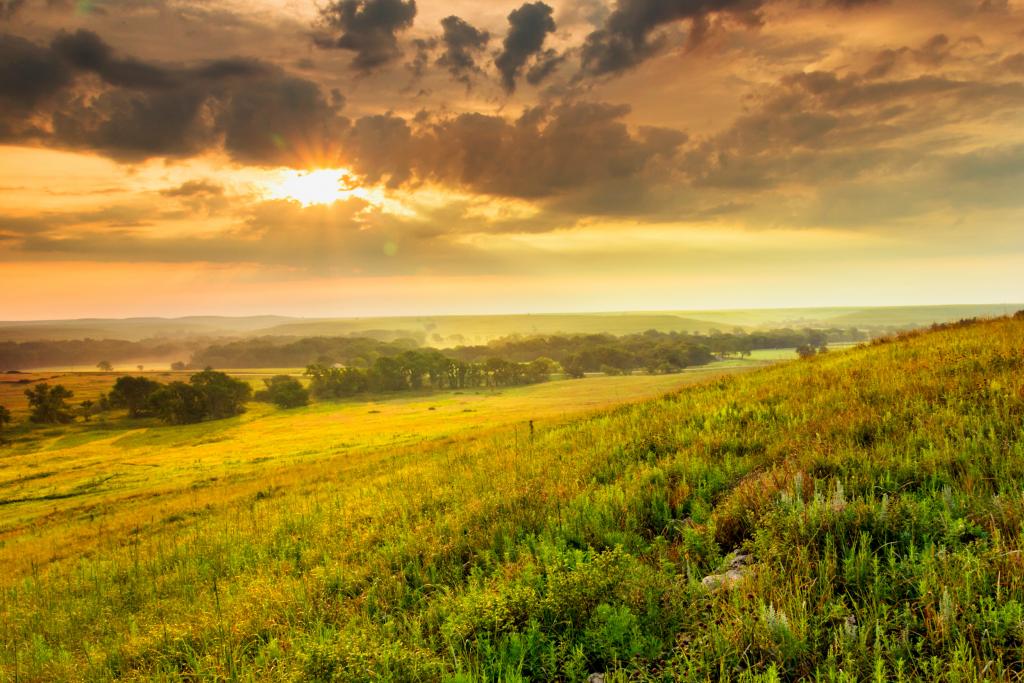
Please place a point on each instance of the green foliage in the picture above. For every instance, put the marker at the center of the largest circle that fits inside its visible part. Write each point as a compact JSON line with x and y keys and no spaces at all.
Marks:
{"x":48,"y":404}
{"x":133,"y":393}
{"x":209,"y":395}
{"x":5,"y":417}
{"x":418,"y":369}
{"x":284,"y":392}
{"x":179,"y":403}
{"x":223,"y":395}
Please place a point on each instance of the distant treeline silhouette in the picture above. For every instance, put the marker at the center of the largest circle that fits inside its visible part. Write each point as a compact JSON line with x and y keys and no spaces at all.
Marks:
{"x":652,"y":351}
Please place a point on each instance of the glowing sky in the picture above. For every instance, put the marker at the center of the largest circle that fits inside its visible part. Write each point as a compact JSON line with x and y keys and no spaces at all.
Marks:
{"x":360,"y":157}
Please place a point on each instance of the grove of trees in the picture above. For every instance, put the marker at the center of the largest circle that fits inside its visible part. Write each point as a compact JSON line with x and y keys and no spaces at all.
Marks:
{"x":420,"y":369}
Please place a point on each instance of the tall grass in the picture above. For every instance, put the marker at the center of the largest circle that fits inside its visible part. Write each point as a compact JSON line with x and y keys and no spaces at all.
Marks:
{"x":878,"y":491}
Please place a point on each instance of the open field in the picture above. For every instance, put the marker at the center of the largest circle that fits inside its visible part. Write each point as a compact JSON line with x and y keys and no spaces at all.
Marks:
{"x":110,"y":475}
{"x":875,"y":492}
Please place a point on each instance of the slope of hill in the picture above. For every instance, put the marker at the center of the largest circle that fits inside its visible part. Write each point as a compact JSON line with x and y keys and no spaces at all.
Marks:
{"x":854,"y":517}
{"x":897,"y":317}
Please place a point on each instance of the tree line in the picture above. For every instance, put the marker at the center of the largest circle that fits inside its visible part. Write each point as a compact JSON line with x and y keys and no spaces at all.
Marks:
{"x":208,"y":395}
{"x":415,"y":370}
{"x":87,"y":352}
{"x":650,"y":350}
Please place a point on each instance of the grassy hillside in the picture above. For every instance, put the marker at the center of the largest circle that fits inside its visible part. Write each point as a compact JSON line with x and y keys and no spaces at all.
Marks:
{"x":873,"y":494}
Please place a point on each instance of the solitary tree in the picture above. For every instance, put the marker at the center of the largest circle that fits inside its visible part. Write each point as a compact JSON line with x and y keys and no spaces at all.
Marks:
{"x":105,"y":366}
{"x":49,"y":405}
{"x":806,"y":351}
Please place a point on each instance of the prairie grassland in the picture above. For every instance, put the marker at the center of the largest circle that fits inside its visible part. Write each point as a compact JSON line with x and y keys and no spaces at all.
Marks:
{"x":877,"y":491}
{"x":61,"y":488}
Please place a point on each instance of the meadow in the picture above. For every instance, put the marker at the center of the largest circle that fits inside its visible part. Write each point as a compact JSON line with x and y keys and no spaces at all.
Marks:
{"x":855,"y":516}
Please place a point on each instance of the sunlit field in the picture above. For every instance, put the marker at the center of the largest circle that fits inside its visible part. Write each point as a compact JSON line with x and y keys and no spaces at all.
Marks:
{"x":70,"y":485}
{"x":875,"y":492}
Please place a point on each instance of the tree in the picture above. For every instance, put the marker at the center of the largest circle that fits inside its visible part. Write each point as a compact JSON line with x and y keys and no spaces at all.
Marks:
{"x":178,"y":366}
{"x":574,"y":366}
{"x":5,"y":418}
{"x":87,"y":409}
{"x":284,"y":392}
{"x":49,"y":405}
{"x":105,"y":366}
{"x":133,"y":393}
{"x":806,"y":351}
{"x":225,"y":396}
{"x":178,"y":403}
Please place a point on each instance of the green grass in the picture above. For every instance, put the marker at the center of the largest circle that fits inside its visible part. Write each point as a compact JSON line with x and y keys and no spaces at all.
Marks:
{"x":877,"y":491}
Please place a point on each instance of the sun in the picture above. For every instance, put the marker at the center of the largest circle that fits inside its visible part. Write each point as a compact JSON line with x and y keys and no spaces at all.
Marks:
{"x":323,"y":186}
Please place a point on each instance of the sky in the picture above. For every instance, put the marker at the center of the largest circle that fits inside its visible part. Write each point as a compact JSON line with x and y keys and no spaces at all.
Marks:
{"x":385,"y":157}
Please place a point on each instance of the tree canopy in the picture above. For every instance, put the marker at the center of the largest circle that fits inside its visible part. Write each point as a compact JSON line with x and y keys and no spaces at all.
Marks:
{"x":49,"y":404}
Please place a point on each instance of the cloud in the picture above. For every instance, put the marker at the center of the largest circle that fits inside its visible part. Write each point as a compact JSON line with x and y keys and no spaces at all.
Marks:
{"x":259,"y":113}
{"x":30,"y":75}
{"x":625,"y":39}
{"x":529,"y":27}
{"x":8,"y":8}
{"x":348,"y":237}
{"x":369,"y":28}
{"x":547,"y":151}
{"x":462,"y":43}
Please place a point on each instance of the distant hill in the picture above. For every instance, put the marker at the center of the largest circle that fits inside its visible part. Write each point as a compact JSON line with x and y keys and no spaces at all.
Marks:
{"x":449,"y":330}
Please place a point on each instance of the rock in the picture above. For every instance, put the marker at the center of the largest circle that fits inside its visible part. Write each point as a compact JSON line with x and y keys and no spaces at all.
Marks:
{"x":737,"y":571}
{"x":595,"y":678}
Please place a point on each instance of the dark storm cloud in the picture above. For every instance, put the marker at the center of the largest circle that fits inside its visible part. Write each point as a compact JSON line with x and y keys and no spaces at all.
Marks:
{"x":261,"y":114}
{"x":625,"y":39}
{"x":462,"y":43}
{"x":86,"y":51}
{"x":546,"y":64}
{"x":369,"y":28}
{"x":29,"y":74}
{"x":529,"y":26}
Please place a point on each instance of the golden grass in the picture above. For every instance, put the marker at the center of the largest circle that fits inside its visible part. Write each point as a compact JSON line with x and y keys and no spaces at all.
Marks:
{"x":63,"y":489}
